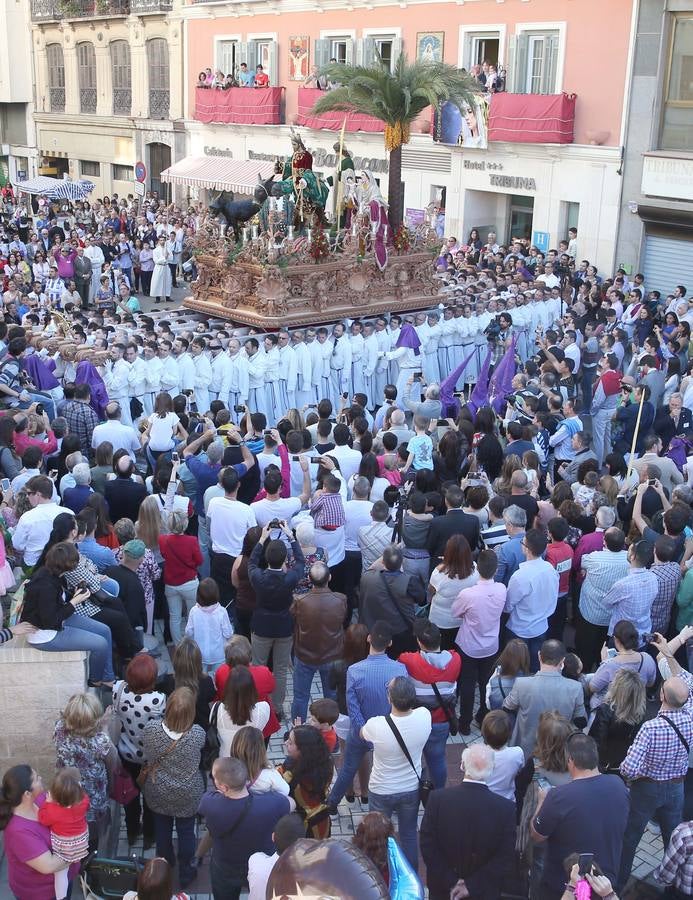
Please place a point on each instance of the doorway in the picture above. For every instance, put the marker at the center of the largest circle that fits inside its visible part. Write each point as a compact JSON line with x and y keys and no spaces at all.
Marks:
{"x":521,"y":216}
{"x":159,"y":159}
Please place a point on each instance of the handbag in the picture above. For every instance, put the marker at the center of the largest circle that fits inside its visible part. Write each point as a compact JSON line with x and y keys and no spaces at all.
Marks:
{"x":136,"y":408}
{"x":212,"y":746}
{"x":425,"y":786}
{"x":148,"y":770}
{"x":103,"y":877}
{"x":448,"y":710}
{"x":110,"y":723}
{"x":123,"y":789}
{"x":407,"y":623}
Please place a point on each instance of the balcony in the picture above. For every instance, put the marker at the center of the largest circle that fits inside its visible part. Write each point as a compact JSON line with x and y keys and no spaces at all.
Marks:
{"x":332,"y":120}
{"x":54,"y":10}
{"x":239,"y":106}
{"x":87,"y":101}
{"x":142,"y":7}
{"x":159,"y":102}
{"x":532,"y":118}
{"x":122,"y":101}
{"x":57,"y":99}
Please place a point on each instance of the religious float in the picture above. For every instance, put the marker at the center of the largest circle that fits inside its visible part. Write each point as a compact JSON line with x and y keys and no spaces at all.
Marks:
{"x":283,"y":258}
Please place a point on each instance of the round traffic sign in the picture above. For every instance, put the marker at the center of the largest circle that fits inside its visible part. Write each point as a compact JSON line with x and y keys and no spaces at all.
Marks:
{"x":140,"y":171}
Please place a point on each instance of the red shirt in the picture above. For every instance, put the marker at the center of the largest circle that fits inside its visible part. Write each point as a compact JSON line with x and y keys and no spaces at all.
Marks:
{"x":67,"y":821}
{"x":264,"y":685}
{"x":22,"y":440}
{"x":182,"y":557}
{"x":261,"y":79}
{"x":330,"y":738}
{"x":560,"y":555}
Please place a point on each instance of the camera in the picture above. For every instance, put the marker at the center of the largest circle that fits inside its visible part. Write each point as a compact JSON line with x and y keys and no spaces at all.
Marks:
{"x":239,"y":409}
{"x":493,"y":329}
{"x":274,"y":524}
{"x":39,"y":409}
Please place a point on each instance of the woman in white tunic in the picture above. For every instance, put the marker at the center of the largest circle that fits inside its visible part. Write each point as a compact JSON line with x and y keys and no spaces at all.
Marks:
{"x":161,"y":278}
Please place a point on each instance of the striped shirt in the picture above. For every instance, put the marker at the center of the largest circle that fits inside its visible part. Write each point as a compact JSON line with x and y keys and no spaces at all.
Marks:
{"x":677,"y":864}
{"x":494,"y":536}
{"x":603,"y":568}
{"x":668,"y":577}
{"x":327,"y":511}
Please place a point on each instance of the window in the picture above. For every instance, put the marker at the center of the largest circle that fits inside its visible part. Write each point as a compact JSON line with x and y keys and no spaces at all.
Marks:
{"x":338,"y":46}
{"x":571,"y":214}
{"x":122,"y":173}
{"x":338,"y":50}
{"x":56,"y":77}
{"x":263,"y":51}
{"x":479,"y":47}
{"x":228,"y":56}
{"x":86,"y":70}
{"x":121,"y":77}
{"x":677,"y":124}
{"x":159,"y":87}
{"x":385,"y":46}
{"x":533,"y":62}
{"x":90,"y":167}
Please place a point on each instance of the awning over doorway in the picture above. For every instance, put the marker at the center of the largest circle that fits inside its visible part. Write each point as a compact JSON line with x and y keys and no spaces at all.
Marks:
{"x":218,"y":173}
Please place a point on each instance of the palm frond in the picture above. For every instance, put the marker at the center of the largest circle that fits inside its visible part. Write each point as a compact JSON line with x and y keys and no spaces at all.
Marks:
{"x":396,"y":97}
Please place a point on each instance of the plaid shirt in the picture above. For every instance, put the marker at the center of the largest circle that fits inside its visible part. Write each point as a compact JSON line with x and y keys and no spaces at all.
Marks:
{"x":327,"y":511}
{"x":631,"y":598}
{"x":668,"y":575}
{"x":657,"y":751}
{"x":677,"y":865}
{"x":603,"y":568}
{"x":372,"y":540}
{"x":82,"y":420}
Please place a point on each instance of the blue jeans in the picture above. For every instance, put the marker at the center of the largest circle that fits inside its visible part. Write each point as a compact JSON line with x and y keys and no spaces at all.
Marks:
{"x":533,"y":645}
{"x":303,"y":678}
{"x":185,"y":828}
{"x":407,"y":808}
{"x":434,"y":753}
{"x":354,"y":751}
{"x":661,"y":801}
{"x":81,"y":633}
{"x":46,"y":399}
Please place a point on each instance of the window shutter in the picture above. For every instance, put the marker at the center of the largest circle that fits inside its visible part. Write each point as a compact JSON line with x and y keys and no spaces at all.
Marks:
{"x":368,"y":56}
{"x":521,"y":63}
{"x":549,"y":68}
{"x":241,"y":56}
{"x":225,"y":59}
{"x":321,"y":53}
{"x":467,"y":60}
{"x":350,"y":51}
{"x":510,"y":64}
{"x":396,"y":50}
{"x":251,"y":56}
{"x":273,"y":65}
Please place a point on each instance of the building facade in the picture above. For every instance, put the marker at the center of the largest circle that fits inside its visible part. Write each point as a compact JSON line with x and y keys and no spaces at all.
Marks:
{"x":656,"y":225}
{"x":108,"y":90}
{"x":534,"y":190}
{"x":18,"y":158}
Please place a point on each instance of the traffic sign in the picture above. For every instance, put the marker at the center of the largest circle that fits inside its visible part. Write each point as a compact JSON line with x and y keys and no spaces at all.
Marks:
{"x":139,"y":189}
{"x":140,"y":171}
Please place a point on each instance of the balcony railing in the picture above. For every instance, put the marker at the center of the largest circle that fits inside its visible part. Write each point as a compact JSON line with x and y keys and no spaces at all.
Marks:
{"x":159,"y":102}
{"x":87,"y":100}
{"x":56,"y":95}
{"x":122,"y":101}
{"x":52,"y":10}
{"x":150,"y":6}
{"x":240,"y":106}
{"x":332,"y":120}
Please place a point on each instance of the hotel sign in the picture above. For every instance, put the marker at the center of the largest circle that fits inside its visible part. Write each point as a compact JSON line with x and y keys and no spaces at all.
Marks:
{"x":667,"y":176}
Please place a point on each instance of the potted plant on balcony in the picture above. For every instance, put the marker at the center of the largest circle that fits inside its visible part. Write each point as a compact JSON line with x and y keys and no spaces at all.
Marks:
{"x":397,"y":98}
{"x":69,"y":8}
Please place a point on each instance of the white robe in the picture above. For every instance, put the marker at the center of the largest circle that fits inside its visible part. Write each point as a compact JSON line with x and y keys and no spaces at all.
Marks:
{"x":203,"y":379}
{"x":304,"y":375}
{"x":161,"y":276}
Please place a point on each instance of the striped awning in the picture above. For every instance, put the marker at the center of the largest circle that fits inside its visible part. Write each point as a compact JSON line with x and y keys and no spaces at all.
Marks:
{"x":218,"y":173}
{"x":56,"y":188}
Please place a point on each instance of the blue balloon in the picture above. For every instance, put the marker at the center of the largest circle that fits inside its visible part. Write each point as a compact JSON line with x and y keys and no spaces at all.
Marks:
{"x":404,"y":882}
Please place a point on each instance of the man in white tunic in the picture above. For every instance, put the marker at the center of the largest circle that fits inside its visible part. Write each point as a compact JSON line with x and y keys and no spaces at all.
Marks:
{"x":273,"y":400}
{"x":203,"y":373}
{"x":170,"y":375}
{"x":370,"y":363}
{"x":356,"y":342}
{"x":137,"y":376}
{"x":186,"y":367}
{"x":288,"y":370}
{"x":116,"y":380}
{"x":315,"y":349}
{"x":304,"y":374}
{"x":95,"y":254}
{"x":221,"y":372}
{"x":161,"y":277}
{"x":340,"y":365}
{"x":256,"y":376}
{"x":153,"y":368}
{"x":238,"y":380}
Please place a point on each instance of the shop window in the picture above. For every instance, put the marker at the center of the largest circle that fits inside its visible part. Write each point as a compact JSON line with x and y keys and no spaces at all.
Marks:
{"x":56,"y":77}
{"x":89,"y":168}
{"x":677,"y":123}
{"x":121,"y":173}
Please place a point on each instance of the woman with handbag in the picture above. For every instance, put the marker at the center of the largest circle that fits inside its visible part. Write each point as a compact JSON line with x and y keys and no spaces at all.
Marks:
{"x":81,"y":743}
{"x":308,"y":770}
{"x":398,"y":739}
{"x":171,"y":779}
{"x":136,"y":703}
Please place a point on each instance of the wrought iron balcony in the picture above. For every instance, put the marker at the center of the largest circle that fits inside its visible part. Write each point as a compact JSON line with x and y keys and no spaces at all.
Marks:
{"x":122,"y":101}
{"x":57,"y":99}
{"x":159,"y":102}
{"x":52,"y":10}
{"x":87,"y":100}
{"x":150,"y":6}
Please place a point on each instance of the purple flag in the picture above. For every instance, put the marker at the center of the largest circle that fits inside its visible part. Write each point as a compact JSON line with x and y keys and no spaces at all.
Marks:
{"x":479,"y":396}
{"x":451,"y":405}
{"x":501,"y":383}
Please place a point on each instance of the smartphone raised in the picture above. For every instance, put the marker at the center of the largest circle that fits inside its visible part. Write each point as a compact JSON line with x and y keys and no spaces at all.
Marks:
{"x":5,"y":485}
{"x":175,"y":457}
{"x":585,"y":861}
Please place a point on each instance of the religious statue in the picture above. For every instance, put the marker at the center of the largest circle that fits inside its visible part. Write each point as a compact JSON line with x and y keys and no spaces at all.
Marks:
{"x":373,"y":208}
{"x":308,"y":190}
{"x":345,"y":167}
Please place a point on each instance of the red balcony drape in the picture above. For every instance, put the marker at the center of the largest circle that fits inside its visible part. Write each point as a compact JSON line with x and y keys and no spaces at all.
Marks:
{"x":239,"y":106}
{"x":331,"y":120}
{"x":532,"y":118}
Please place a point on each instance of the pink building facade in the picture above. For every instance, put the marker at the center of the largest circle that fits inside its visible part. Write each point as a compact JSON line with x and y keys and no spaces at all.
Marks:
{"x":542,"y":48}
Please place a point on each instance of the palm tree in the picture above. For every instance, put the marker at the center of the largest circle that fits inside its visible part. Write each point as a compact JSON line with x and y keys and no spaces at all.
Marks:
{"x":396,"y":98}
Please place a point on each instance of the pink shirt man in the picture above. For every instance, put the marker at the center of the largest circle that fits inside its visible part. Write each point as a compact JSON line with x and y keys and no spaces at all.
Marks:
{"x":65,"y":263}
{"x":480,"y":608}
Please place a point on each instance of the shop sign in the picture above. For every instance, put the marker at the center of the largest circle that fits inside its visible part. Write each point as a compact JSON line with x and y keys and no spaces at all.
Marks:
{"x":541,"y":239}
{"x":218,"y":151}
{"x":667,"y":176}
{"x":329,"y":160}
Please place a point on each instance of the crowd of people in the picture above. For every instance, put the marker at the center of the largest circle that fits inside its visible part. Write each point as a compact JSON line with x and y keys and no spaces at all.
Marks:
{"x":322,"y":514}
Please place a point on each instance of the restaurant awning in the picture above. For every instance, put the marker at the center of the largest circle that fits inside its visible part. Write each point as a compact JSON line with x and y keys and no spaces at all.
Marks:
{"x":218,"y":173}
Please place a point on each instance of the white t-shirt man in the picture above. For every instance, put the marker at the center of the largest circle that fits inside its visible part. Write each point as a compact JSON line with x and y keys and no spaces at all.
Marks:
{"x":391,"y":772}
{"x":123,"y":437}
{"x":356,"y":513}
{"x":260,"y":867}
{"x":34,"y":528}
{"x":229,"y":521}
{"x":283,"y":508}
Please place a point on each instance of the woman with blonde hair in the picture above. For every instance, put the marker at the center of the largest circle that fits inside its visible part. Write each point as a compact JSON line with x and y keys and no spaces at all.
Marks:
{"x":148,"y":524}
{"x":296,"y":419}
{"x":609,"y":487}
{"x":618,"y":719}
{"x":248,"y":745}
{"x":80,"y":743}
{"x":511,"y":464}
